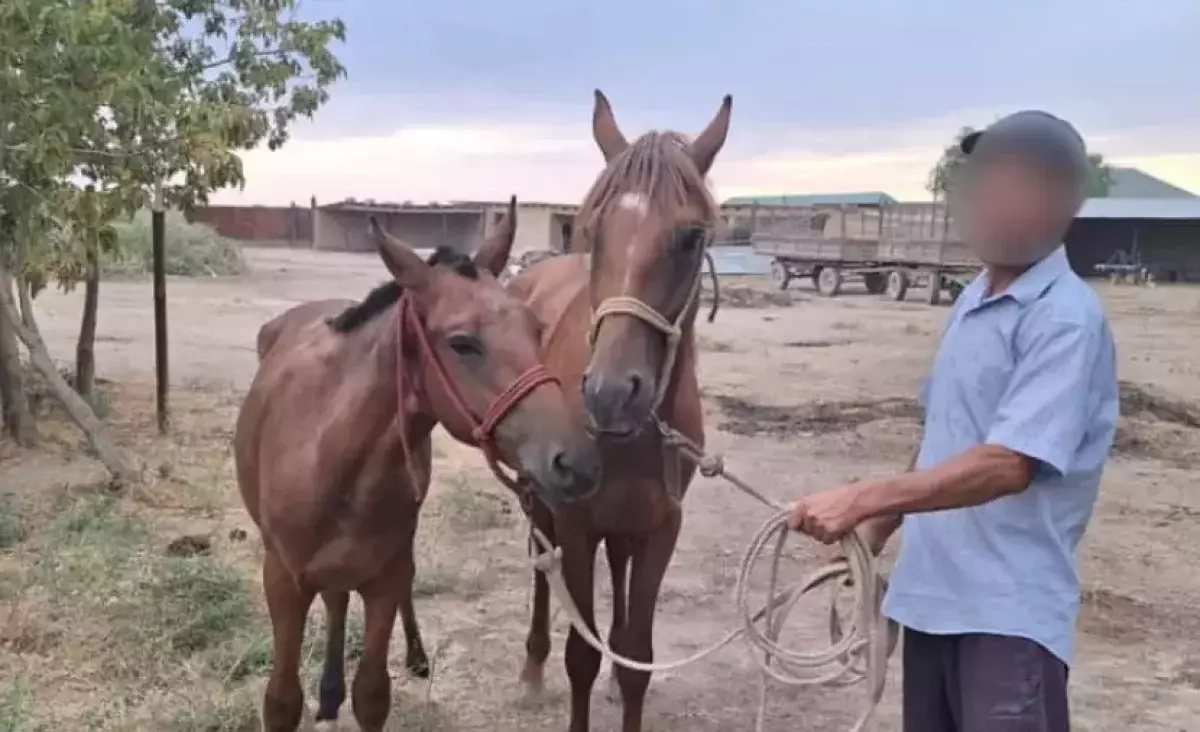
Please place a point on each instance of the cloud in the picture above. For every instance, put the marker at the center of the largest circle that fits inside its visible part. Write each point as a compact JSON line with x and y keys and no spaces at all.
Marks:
{"x":543,"y":158}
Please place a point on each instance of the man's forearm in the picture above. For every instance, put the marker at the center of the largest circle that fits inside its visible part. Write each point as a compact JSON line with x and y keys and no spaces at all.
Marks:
{"x":978,"y":476}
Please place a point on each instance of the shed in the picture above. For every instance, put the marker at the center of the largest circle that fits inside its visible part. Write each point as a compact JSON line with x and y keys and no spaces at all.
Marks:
{"x":1163,"y":233}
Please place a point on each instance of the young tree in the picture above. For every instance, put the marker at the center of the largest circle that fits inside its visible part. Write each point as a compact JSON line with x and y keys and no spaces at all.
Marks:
{"x":129,"y":95}
{"x":948,"y":167}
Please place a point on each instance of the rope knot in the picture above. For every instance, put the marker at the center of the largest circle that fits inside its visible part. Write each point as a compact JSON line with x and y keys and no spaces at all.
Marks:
{"x":710,"y":466}
{"x":548,"y":562}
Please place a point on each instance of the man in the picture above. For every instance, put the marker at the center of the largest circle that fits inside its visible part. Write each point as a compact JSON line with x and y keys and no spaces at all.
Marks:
{"x":1020,"y":411}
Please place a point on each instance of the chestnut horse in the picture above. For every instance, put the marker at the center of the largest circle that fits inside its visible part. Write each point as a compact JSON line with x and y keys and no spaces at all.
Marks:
{"x":333,"y":450}
{"x":619,"y":322}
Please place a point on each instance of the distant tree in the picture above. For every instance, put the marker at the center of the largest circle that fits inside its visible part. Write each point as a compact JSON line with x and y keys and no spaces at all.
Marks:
{"x":947,"y":169}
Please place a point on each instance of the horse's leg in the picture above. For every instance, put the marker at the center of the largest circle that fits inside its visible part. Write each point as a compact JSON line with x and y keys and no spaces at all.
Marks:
{"x":372,"y":691}
{"x":617,"y":548}
{"x":415,"y":659}
{"x":287,"y":602}
{"x":650,"y":560}
{"x":537,"y":643}
{"x":583,"y":661}
{"x":331,"y":691}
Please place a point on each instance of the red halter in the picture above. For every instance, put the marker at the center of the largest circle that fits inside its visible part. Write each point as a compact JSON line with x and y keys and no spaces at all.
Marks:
{"x":482,"y":431}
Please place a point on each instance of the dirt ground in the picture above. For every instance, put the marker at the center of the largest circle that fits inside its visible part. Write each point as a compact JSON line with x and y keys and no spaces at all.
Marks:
{"x":799,"y":397}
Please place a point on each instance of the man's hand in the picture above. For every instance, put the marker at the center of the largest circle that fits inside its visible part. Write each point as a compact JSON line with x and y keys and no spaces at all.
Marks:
{"x":829,"y":515}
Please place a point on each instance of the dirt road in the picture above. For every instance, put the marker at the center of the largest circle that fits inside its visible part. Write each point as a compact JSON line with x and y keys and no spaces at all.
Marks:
{"x":799,"y":398}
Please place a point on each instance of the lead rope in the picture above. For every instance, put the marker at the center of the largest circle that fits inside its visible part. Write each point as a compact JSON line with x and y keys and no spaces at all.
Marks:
{"x":858,"y":652}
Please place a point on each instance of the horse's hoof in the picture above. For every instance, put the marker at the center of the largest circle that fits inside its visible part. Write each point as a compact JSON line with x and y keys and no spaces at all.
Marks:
{"x":418,"y":666}
{"x":613,"y":693}
{"x":533,"y":679}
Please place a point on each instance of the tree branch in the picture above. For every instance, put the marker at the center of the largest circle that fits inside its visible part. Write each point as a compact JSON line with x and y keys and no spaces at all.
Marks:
{"x":114,"y":458}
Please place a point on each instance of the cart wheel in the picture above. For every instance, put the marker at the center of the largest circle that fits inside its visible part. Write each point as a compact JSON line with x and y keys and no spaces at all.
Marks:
{"x":897,"y":284}
{"x":779,"y":274}
{"x":875,"y":281}
{"x":829,"y":281}
{"x":936,"y":283}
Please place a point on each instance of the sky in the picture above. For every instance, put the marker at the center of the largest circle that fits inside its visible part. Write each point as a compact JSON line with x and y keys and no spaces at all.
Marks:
{"x":479,"y":99}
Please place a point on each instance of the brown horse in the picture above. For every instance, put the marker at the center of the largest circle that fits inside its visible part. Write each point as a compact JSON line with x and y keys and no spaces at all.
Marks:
{"x":647,"y":221}
{"x":333,"y":450}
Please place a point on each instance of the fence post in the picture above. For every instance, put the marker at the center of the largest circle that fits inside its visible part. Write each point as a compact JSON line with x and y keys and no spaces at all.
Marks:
{"x":158,"y":245}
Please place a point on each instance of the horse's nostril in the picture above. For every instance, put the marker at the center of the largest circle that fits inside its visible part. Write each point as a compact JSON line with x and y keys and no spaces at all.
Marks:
{"x":635,"y":386}
{"x":559,"y":464}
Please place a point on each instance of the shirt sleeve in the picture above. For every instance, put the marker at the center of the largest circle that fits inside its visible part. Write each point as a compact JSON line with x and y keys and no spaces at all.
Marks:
{"x":1045,"y":410}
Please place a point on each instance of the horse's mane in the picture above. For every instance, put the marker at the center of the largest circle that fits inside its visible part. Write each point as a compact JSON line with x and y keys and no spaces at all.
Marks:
{"x":656,"y":165}
{"x":388,"y":294}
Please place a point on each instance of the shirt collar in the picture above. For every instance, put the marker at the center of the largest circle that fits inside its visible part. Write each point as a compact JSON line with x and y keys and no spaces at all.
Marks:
{"x":1034,"y":281}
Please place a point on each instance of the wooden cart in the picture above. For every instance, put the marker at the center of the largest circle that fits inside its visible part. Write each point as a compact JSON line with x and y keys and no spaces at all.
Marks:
{"x":888,"y":248}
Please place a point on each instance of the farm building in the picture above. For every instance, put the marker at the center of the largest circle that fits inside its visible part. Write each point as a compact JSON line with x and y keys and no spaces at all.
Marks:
{"x":1161,"y":233}
{"x":342,"y":226}
{"x":1133,"y":183}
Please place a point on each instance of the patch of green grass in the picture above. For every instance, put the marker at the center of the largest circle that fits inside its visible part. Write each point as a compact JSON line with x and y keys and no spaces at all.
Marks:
{"x":237,"y":712}
{"x":12,"y":523}
{"x":249,"y":655}
{"x":140,"y":620}
{"x":15,"y":701}
{"x":470,"y":509}
{"x":192,"y":250}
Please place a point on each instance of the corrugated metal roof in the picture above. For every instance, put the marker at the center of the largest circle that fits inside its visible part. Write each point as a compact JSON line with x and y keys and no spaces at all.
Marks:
{"x":863,"y":198}
{"x":1133,"y":183}
{"x":1178,"y":209}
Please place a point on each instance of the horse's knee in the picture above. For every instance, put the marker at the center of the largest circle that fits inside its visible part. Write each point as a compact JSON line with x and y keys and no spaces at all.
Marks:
{"x":283,"y":705}
{"x":372,"y":698}
{"x":583,"y":661}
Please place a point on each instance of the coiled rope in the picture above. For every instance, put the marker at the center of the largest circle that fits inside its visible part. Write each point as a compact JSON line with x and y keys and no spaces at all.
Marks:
{"x":859,"y":651}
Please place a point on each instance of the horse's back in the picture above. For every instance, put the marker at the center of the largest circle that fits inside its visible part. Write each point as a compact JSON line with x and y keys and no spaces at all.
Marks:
{"x":555,"y":291}
{"x":294,"y":318}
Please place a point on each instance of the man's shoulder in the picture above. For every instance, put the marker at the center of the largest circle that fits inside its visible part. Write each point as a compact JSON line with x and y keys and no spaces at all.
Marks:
{"x":1069,"y":303}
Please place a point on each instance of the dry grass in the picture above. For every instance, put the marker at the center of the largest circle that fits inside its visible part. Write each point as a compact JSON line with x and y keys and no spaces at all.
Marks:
{"x":101,"y":628}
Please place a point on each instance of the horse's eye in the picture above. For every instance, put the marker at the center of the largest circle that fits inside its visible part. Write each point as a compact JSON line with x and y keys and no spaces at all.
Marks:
{"x":687,"y":241}
{"x":466,"y":345}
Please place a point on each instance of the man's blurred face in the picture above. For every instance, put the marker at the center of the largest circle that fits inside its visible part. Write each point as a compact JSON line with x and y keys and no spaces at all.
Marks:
{"x":1010,"y":211}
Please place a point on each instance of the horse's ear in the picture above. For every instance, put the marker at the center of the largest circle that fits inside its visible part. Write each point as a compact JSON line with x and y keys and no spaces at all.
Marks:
{"x":493,"y":252}
{"x":604,"y":128}
{"x":708,"y":143}
{"x":409,"y":270}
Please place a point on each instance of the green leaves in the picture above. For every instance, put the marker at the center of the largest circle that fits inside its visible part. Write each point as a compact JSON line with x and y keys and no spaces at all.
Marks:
{"x":943,"y":175}
{"x":102,"y":100}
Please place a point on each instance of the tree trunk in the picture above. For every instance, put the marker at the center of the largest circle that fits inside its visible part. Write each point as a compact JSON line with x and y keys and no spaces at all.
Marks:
{"x":85,"y":349}
{"x":18,"y":418}
{"x":114,"y":458}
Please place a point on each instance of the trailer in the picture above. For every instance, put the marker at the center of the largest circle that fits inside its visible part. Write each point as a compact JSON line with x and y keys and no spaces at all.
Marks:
{"x":889,"y":248}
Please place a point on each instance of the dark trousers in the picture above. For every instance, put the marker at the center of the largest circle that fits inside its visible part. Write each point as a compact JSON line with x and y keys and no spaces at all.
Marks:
{"x":982,"y":683}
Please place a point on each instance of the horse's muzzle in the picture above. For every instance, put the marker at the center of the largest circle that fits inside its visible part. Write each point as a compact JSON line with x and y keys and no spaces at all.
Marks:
{"x":618,"y":404}
{"x":566,"y":472}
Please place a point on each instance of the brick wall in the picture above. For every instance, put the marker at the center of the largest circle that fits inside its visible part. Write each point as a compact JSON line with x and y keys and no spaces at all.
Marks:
{"x":283,"y":225}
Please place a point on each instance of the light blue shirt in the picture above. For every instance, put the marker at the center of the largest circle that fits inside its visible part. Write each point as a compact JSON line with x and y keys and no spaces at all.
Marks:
{"x":1033,"y":370}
